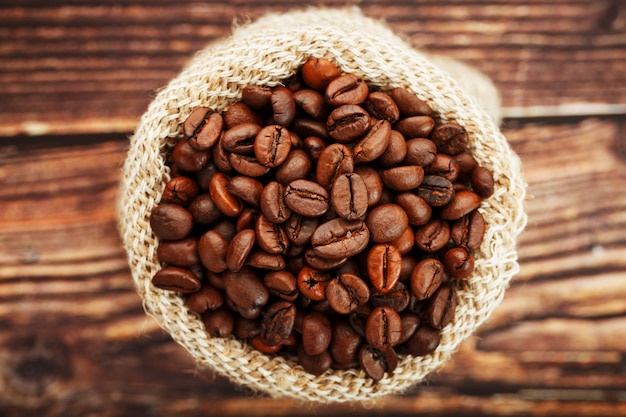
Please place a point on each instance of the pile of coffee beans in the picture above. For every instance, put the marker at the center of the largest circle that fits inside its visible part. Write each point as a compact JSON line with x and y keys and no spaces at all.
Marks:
{"x":323,"y":219}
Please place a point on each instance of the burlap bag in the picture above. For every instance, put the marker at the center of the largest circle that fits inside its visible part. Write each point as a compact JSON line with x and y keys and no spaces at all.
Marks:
{"x":264,"y":53}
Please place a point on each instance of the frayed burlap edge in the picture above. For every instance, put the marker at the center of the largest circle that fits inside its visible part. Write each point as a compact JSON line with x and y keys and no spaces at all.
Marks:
{"x":264,"y":53}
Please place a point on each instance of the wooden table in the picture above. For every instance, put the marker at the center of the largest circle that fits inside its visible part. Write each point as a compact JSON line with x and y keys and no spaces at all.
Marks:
{"x":76,"y":75}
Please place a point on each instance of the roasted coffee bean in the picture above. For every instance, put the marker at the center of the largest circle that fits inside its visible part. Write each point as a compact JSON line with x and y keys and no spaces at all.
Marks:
{"x":203,"y":176}
{"x":384,"y":328}
{"x":467,"y":163}
{"x":214,"y":279}
{"x":441,"y":307}
{"x":410,"y":323}
{"x":239,"y":113}
{"x":300,"y":228}
{"x":305,"y":127}
{"x":405,"y":242}
{"x":432,"y":236}
{"x":283,"y":106}
{"x":225,"y":202}
{"x":458,"y":263}
{"x":186,"y":158}
{"x":420,"y":151}
{"x":396,"y":151}
{"x":382,"y":107}
{"x":182,"y":252}
{"x":257,"y":97}
{"x":345,"y":343}
{"x":206,"y":298}
{"x":246,"y":220}
{"x":403,"y":178}
{"x":272,"y":203}
{"x":317,"y":73}
{"x":408,"y":263}
{"x":377,"y":362}
{"x":415,"y":126}
{"x":315,"y":261}
{"x":312,"y":283}
{"x":397,"y":298}
{"x":219,"y":323}
{"x":246,"y":188}
{"x":282,"y":284}
{"x":384,"y":262}
{"x":426,"y":278}
{"x":259,"y":344}
{"x":346,"y":89}
{"x":408,"y":103}
{"x":271,"y":237}
{"x":314,"y":364}
{"x":173,"y":278}
{"x":245,"y":289}
{"x":277,"y":323}
{"x":314,"y":146}
{"x":312,"y":103}
{"x":373,"y":183}
{"x":416,"y":208}
{"x":444,"y":166}
{"x":482,"y":182}
{"x":272,"y":145}
{"x":170,"y":221}
{"x":226,"y":229}
{"x":358,"y":318}
{"x":247,"y":313}
{"x":203,"y":128}
{"x":316,"y":333}
{"x":338,"y":238}
{"x":469,"y":230}
{"x":307,"y":198}
{"x":386,"y":223}
{"x":461,"y":204}
{"x":221,"y":158}
{"x":424,"y":341}
{"x":349,"y":196}
{"x":180,"y":190}
{"x":346,"y":292}
{"x":334,"y":160}
{"x":450,"y":138}
{"x":212,"y":249}
{"x":374,"y":143}
{"x":347,"y":123}
{"x":437,"y":191}
{"x":247,"y":328}
{"x":240,"y":138}
{"x":263,"y":260}
{"x":195,"y":121}
{"x":247,"y":165}
{"x":239,"y":248}
{"x":297,"y":166}
{"x":203,"y":210}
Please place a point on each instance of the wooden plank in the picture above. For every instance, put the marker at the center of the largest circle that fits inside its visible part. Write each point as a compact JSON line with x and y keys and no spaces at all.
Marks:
{"x":98,"y":65}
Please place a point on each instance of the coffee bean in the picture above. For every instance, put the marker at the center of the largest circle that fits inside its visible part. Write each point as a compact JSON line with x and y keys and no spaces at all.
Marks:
{"x":312,"y":283}
{"x":221,"y":158}
{"x":246,"y":220}
{"x":283,"y":106}
{"x":469,"y":230}
{"x":212,"y":249}
{"x":307,"y":198}
{"x":458,"y":263}
{"x":282,"y":284}
{"x":426,"y":278}
{"x":432,"y":236}
{"x":240,"y":138}
{"x":408,"y":103}
{"x":482,"y":182}
{"x":271,"y":237}
{"x":259,"y":344}
{"x":450,"y":138}
{"x":247,"y":328}
{"x":405,"y":242}
{"x":245,"y":188}
{"x":420,"y":151}
{"x":312,"y":103}
{"x":180,"y":190}
{"x":345,"y":343}
{"x":219,"y":323}
{"x":346,"y":292}
{"x":277,"y":323}
{"x":239,"y":248}
{"x":317,"y":73}
{"x":315,"y":261}
{"x":204,"y":175}
{"x":272,"y":203}
{"x":410,"y":323}
{"x":300,"y":228}
{"x":396,"y":151}
{"x":415,"y":126}
{"x":263,"y":260}
{"x":239,"y":113}
{"x":444,"y":166}
{"x":403,"y":178}
{"x":397,"y":298}
{"x":186,"y":158}
{"x":373,"y":183}
{"x":182,"y":252}
{"x":416,"y":208}
{"x":334,"y":160}
{"x":384,"y":328}
{"x":349,"y":196}
{"x":316,"y":333}
{"x":170,"y":221}
{"x":377,"y":362}
{"x":347,"y":123}
{"x":173,"y":278}
{"x":346,"y":89}
{"x":382,"y":107}
{"x":257,"y":97}
{"x":272,"y":145}
{"x":374,"y":143}
{"x":206,"y":298}
{"x":338,"y":238}
{"x":314,"y":364}
{"x":424,"y":341}
{"x":384,"y":262}
{"x":226,"y":229}
{"x":203,"y":128}
{"x":245,"y":289}
{"x":437,"y":191}
{"x":461,"y":204}
{"x":408,"y":263}
{"x":305,"y":127}
{"x":386,"y":223}
{"x":314,"y":146}
{"x":441,"y":307}
{"x":297,"y":166}
{"x":247,"y":165}
{"x":467,"y":163}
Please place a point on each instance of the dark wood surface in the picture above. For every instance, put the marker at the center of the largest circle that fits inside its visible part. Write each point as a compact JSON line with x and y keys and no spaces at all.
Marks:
{"x":74,"y":340}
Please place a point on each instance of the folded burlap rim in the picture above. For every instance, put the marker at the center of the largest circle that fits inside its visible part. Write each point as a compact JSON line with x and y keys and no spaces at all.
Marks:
{"x":264,"y":53}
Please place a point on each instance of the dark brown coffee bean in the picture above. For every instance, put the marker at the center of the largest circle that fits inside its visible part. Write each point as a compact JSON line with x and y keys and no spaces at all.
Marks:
{"x":203,"y":176}
{"x":441,"y":307}
{"x":467,"y":163}
{"x":257,"y":97}
{"x":349,"y":196}
{"x":403,"y":178}
{"x":297,"y":166}
{"x":346,"y":89}
{"x":397,"y":298}
{"x":307,"y":198}
{"x":334,"y":160}
{"x":225,"y":202}
{"x":410,"y":323}
{"x":182,"y":252}
{"x":383,"y":328}
{"x":305,"y":127}
{"x":272,"y":145}
{"x":382,"y":107}
{"x":273,"y":203}
{"x":383,"y":266}
{"x":282,"y":284}
{"x":239,"y":113}
{"x":482,"y":182}
{"x":415,"y":126}
{"x":312,"y":103}
{"x":346,"y":292}
{"x":338,"y":238}
{"x":405,"y":242}
{"x":277,"y":323}
{"x":246,"y":188}
{"x":374,"y":143}
{"x":315,"y":261}
{"x":170,"y":221}
{"x":345,"y":343}
{"x":219,"y":323}
{"x":259,"y":344}
{"x":386,"y":223}
{"x":245,"y":289}
{"x":247,"y":328}
{"x":173,"y":278}
{"x":221,"y":158}
{"x":450,"y":138}
{"x":212,"y":249}
{"x":187,"y":158}
{"x":226,"y":229}
{"x":246,"y":220}
{"x":240,"y":138}
{"x":317,"y":73}
{"x":461,"y":204}
{"x":469,"y":230}
{"x":424,"y":341}
{"x":300,"y":228}
{"x":426,"y":278}
{"x":195,"y":121}
{"x":207,"y":298}
{"x":347,"y":123}
{"x":283,"y":106}
{"x":180,"y":190}
{"x":444,"y":166}
{"x":314,"y":146}
{"x":396,"y":151}
{"x":408,"y":103}
{"x":377,"y":362}
{"x":373,"y":183}
{"x":271,"y":237}
{"x":312,"y":283}
{"x":203,"y":128}
{"x":458,"y":263}
{"x":239,"y":248}
{"x":263,"y":260}
{"x":247,"y":165}
{"x":314,"y":364}
{"x":420,"y":151}
{"x":316,"y":333}
{"x":416,"y":208}
{"x":432,"y":236}
{"x":437,"y":191}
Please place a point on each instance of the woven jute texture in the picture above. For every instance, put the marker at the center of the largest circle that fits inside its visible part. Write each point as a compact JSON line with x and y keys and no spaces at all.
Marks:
{"x":264,"y":53}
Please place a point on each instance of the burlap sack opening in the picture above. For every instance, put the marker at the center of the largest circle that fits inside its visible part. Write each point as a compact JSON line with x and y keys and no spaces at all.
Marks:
{"x":264,"y":53}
